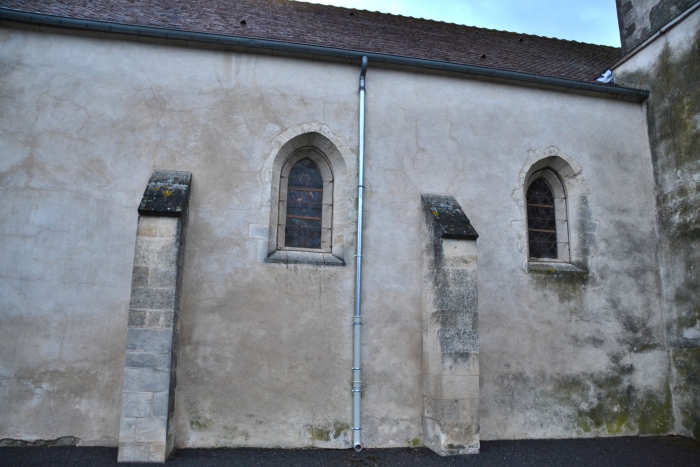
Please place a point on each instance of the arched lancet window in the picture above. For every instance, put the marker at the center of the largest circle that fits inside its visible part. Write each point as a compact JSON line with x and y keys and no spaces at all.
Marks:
{"x":305,"y":202}
{"x":547,"y":224}
{"x":304,"y":206}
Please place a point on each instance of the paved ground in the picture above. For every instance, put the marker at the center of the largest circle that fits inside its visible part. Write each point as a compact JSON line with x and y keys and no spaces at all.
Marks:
{"x":617,"y":452}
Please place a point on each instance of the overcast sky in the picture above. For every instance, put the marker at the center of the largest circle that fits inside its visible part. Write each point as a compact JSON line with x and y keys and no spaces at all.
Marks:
{"x":593,"y":21}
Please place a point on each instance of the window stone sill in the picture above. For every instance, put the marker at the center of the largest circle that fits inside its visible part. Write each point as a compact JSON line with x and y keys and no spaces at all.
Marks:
{"x":304,"y":257}
{"x":555,"y":268}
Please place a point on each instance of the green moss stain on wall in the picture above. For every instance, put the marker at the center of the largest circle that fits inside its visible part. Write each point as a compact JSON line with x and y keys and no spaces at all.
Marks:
{"x":609,"y":404}
{"x":232,"y":433}
{"x":339,"y":428}
{"x":604,"y":403}
{"x":327,"y":432}
{"x":686,"y":363}
{"x":199,"y":424}
{"x":654,"y":414}
{"x":319,"y":433}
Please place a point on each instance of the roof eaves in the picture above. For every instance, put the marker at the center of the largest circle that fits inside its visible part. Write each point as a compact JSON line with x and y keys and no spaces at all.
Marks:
{"x":316,"y":51}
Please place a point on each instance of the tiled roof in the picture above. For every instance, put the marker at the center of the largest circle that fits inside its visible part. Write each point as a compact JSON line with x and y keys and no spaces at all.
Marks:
{"x":343,"y":28}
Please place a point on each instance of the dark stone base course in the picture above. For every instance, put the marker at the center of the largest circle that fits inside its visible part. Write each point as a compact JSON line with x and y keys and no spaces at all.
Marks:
{"x":668,"y":451}
{"x":20,"y":443}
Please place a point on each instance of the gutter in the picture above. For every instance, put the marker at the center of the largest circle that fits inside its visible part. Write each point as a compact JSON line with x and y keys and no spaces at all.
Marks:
{"x":314,"y":51}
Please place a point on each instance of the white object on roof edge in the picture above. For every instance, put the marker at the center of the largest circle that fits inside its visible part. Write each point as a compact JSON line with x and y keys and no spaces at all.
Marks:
{"x":606,"y":77}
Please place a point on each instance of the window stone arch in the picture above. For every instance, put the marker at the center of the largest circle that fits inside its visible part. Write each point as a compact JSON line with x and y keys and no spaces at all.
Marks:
{"x":332,"y":157}
{"x":576,"y":231}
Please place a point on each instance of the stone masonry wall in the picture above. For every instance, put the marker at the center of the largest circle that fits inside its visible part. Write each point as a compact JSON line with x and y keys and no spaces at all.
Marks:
{"x":670,"y":68}
{"x":639,"y":19}
{"x":147,"y":400}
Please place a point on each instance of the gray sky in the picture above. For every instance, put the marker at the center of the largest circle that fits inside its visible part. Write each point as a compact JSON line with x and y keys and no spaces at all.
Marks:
{"x":593,"y":21}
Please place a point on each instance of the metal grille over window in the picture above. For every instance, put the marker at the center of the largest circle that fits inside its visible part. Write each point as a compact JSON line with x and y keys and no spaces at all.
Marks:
{"x":541,"y":220}
{"x":304,"y":215}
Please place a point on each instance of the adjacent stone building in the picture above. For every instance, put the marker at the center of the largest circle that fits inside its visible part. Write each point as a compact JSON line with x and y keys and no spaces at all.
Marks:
{"x":665,"y":59}
{"x":179,"y":201}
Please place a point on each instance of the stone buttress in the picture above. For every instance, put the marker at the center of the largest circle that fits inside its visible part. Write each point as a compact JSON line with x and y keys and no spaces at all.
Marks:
{"x":450,"y":329}
{"x":145,"y":433}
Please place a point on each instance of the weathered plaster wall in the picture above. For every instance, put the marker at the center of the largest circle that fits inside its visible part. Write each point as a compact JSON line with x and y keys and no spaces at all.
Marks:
{"x":68,"y":225}
{"x":265,"y":349}
{"x":560,"y":356}
{"x":84,"y":122}
{"x":639,"y":19}
{"x":670,"y":68}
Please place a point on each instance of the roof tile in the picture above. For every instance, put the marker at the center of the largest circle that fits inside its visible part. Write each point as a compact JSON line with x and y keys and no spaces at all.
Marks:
{"x":345,"y":28}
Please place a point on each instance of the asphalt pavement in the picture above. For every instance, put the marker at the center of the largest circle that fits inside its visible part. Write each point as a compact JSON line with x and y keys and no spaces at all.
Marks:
{"x":668,"y":451}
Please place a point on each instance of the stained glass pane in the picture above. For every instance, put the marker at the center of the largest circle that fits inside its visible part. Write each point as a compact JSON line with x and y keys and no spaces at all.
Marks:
{"x":305,"y":174}
{"x":541,"y":220}
{"x":304,"y":206}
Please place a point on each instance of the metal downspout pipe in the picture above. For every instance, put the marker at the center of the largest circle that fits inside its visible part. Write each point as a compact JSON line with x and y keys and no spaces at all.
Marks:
{"x":357,"y":318}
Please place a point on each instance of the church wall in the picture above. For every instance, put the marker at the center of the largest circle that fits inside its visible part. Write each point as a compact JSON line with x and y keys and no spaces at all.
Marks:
{"x":560,"y":356}
{"x":670,"y":67}
{"x":265,"y":349}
